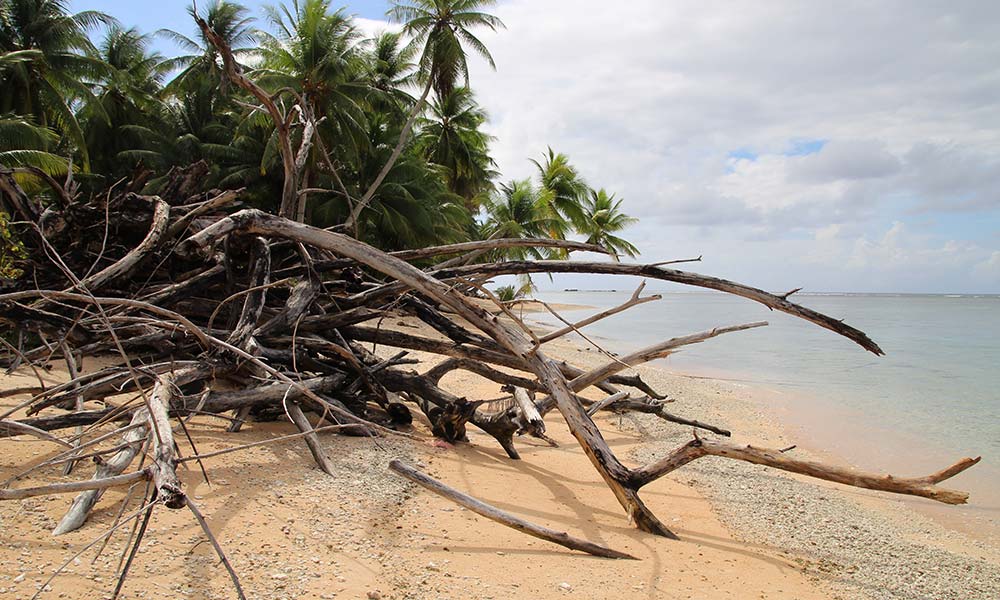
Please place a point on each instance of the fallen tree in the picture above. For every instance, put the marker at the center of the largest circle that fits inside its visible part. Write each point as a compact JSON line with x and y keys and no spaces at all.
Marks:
{"x":240,"y":315}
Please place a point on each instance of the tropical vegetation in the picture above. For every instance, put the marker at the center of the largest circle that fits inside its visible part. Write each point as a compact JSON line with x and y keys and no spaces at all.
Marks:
{"x":398,"y":145}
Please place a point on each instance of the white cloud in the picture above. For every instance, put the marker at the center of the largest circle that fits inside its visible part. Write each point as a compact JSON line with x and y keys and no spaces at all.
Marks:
{"x":846,"y":160}
{"x":652,"y":99}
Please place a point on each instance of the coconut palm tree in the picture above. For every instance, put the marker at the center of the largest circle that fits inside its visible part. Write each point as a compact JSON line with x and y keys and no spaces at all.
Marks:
{"x":567,"y":191}
{"x":602,"y":218}
{"x":443,"y":28}
{"x":452,"y":137}
{"x":440,"y":28}
{"x":127,"y":110}
{"x":518,"y":210}
{"x":389,"y":68}
{"x":45,"y":60}
{"x":316,"y":53}
{"x":232,"y":22}
{"x":413,"y":206}
{"x":24,"y":143}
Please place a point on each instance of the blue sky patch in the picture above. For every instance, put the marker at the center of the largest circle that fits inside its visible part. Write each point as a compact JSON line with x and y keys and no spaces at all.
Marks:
{"x":802,"y":147}
{"x":743,"y":154}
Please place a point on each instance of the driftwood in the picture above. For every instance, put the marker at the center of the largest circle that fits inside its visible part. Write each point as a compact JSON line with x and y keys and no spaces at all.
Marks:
{"x":322,"y":344}
{"x":244,"y":316}
{"x":504,"y":518}
{"x":915,"y":486}
{"x":133,"y":439}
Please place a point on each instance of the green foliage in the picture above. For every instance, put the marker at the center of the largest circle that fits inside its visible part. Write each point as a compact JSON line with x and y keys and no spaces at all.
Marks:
{"x":519,"y":210}
{"x":107,"y":106}
{"x":452,"y":137}
{"x":11,"y":249}
{"x":23,"y":144}
{"x":602,"y":218}
{"x":440,"y":28}
{"x":46,"y":59}
{"x":506,"y":293}
{"x":126,"y":118}
{"x":512,"y":293}
{"x":566,"y":191}
{"x":560,"y":205}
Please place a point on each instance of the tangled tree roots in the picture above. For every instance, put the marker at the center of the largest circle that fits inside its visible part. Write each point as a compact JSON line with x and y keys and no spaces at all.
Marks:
{"x":235,"y":314}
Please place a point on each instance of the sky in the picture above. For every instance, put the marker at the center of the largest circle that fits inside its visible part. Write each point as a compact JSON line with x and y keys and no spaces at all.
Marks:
{"x":848,"y":146}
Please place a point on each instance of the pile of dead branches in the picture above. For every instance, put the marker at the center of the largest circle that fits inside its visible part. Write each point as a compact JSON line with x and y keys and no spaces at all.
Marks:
{"x":201,"y":308}
{"x":242,"y":315}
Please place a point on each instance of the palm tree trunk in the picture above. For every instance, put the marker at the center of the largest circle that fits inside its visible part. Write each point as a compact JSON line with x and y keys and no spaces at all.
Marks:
{"x":403,"y":136}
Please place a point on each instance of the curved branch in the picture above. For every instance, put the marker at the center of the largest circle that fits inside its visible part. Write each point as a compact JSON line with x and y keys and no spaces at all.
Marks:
{"x":161,"y":215}
{"x":768,"y":299}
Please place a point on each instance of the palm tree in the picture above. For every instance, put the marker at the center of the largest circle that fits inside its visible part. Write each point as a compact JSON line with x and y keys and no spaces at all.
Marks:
{"x":389,"y":68}
{"x":128,"y":110}
{"x":567,"y":190}
{"x":314,"y":52}
{"x":45,"y":60}
{"x":451,"y":137}
{"x":24,"y":143}
{"x":440,"y":27}
{"x":233,"y":24}
{"x":602,"y":219}
{"x":413,"y":206}
{"x":519,"y":210}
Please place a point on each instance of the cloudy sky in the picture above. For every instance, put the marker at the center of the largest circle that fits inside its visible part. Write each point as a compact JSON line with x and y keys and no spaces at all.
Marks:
{"x":848,"y":146}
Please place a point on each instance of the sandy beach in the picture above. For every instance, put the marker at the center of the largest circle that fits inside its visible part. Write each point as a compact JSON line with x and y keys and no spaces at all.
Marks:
{"x":292,"y":532}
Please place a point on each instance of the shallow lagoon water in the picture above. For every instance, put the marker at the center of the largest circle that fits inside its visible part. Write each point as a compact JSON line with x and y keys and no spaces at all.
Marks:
{"x":933,"y":398}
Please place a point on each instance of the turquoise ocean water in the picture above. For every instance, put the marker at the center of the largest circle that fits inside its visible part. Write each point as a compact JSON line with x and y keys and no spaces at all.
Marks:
{"x":934,"y":397}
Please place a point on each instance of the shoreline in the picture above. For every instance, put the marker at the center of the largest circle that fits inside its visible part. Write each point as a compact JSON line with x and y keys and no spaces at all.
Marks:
{"x":832,"y":434}
{"x":842,"y":434}
{"x":291,"y":531}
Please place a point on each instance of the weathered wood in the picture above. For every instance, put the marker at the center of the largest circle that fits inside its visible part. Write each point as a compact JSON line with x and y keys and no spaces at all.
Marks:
{"x":768,"y":299}
{"x":301,"y":346}
{"x":271,"y":393}
{"x":164,"y":466}
{"x":88,"y":486}
{"x":915,"y":486}
{"x":634,"y":300}
{"x":299,"y":301}
{"x":493,"y":355}
{"x":494,"y":244}
{"x":21,"y":204}
{"x":253,"y":302}
{"x":581,"y":426}
{"x":600,"y":405}
{"x":212,"y":204}
{"x":654,"y":352}
{"x":312,"y":440}
{"x":111,"y":467}
{"x":10,"y":428}
{"x":479,"y":368}
{"x":531,"y":419}
{"x":125,"y":265}
{"x":78,"y":404}
{"x":504,"y":518}
{"x":660,"y":350}
{"x":234,"y":72}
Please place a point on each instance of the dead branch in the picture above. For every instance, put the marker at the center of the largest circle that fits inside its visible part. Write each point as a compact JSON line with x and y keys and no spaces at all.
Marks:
{"x":504,"y":518}
{"x":917,"y":486}
{"x":634,"y":300}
